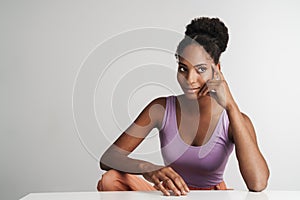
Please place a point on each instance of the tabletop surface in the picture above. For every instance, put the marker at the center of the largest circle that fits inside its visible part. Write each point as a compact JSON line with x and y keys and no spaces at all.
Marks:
{"x":212,"y":195}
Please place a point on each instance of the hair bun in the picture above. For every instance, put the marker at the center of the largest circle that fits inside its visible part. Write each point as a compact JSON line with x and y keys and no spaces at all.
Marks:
{"x":211,"y":27}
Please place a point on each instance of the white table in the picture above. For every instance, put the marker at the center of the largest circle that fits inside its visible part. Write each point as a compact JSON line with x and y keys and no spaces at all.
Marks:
{"x":132,"y":195}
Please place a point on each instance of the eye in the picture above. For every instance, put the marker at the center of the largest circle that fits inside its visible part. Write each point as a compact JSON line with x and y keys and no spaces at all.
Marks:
{"x":201,"y":69}
{"x":181,"y":68}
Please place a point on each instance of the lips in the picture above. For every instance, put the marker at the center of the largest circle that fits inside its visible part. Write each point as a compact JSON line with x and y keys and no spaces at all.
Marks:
{"x":192,"y":90}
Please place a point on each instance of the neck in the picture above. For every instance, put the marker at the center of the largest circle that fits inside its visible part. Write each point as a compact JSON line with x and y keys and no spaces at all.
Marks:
{"x":196,"y":106}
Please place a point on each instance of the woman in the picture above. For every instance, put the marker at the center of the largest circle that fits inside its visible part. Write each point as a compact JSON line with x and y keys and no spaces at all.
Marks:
{"x":197,"y":129}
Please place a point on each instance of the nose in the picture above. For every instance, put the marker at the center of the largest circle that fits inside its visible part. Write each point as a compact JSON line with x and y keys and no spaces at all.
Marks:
{"x":193,"y":77}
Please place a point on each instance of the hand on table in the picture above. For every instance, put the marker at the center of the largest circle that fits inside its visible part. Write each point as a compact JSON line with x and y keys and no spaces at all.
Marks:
{"x":166,"y":179}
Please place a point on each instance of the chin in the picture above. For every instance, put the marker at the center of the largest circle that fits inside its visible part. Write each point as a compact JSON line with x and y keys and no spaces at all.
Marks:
{"x":194,"y":96}
{"x":191,"y":96}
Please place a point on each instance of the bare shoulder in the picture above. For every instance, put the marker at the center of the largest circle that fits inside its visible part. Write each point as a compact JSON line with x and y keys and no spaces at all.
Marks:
{"x":157,"y":109}
{"x":159,"y":101}
{"x":157,"y":105}
{"x":152,"y":115}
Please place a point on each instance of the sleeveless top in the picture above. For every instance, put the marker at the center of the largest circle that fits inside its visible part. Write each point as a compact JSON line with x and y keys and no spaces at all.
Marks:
{"x":200,"y":166}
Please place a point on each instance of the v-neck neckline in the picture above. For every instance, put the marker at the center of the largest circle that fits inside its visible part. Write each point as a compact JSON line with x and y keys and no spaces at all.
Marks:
{"x":211,"y":136}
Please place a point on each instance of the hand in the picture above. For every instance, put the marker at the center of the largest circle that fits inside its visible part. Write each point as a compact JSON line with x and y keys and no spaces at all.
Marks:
{"x":217,"y":88}
{"x":166,"y":179}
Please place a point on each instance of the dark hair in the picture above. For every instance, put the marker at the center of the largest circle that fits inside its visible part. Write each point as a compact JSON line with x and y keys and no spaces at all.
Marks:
{"x":210,"y":33}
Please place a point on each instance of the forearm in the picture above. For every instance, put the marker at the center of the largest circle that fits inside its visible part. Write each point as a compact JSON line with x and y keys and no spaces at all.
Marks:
{"x":118,"y":160}
{"x":252,"y":164}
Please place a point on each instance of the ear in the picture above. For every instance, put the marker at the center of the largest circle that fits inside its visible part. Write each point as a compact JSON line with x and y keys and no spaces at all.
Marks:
{"x":219,"y":66}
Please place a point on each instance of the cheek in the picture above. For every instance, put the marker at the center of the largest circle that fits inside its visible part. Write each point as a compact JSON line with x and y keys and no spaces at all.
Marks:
{"x":180,"y":78}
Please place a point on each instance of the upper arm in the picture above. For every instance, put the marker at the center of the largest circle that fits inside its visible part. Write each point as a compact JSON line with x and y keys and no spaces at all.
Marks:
{"x":151,"y":117}
{"x":249,"y":126}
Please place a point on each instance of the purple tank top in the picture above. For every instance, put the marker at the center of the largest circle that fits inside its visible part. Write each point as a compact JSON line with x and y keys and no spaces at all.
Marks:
{"x":199,"y":166}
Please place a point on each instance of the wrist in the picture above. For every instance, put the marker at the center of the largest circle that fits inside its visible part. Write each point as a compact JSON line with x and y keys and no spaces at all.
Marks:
{"x":146,"y":167}
{"x":231,"y":107}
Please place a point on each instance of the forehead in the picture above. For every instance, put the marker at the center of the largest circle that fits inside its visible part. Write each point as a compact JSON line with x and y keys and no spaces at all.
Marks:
{"x":194,"y":54}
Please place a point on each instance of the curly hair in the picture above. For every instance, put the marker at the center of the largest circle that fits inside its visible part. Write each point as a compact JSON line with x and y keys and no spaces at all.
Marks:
{"x":210,"y":33}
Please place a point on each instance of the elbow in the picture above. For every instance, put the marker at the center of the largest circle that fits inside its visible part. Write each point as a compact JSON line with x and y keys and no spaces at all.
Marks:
{"x":259,"y":181}
{"x":102,"y":165}
{"x":111,"y":159}
{"x":258,"y":185}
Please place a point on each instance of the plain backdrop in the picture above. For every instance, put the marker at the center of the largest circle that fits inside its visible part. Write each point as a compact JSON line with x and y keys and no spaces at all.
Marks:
{"x":52,"y":133}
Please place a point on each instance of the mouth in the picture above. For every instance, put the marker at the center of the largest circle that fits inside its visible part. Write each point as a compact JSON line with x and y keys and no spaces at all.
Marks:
{"x":191,"y":90}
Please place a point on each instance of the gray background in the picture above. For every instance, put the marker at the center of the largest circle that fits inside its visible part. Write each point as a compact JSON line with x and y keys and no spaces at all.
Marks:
{"x":44,"y":44}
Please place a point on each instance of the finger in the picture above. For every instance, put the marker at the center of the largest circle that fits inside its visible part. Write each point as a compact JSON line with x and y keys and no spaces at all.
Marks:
{"x":205,"y":93}
{"x":170,"y":184}
{"x":217,"y":74}
{"x":203,"y":88}
{"x":163,"y":189}
{"x":213,"y":84}
{"x":221,"y":75}
{"x":213,"y":94}
{"x":212,"y":89}
{"x":159,"y":186}
{"x":177,"y":181}
{"x":180,"y":184}
{"x":158,"y":180}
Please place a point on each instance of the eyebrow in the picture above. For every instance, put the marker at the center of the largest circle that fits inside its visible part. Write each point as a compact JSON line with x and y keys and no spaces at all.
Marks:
{"x":198,"y":65}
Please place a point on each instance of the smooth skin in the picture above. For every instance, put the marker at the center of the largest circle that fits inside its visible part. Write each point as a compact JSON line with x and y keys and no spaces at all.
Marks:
{"x":206,"y":94}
